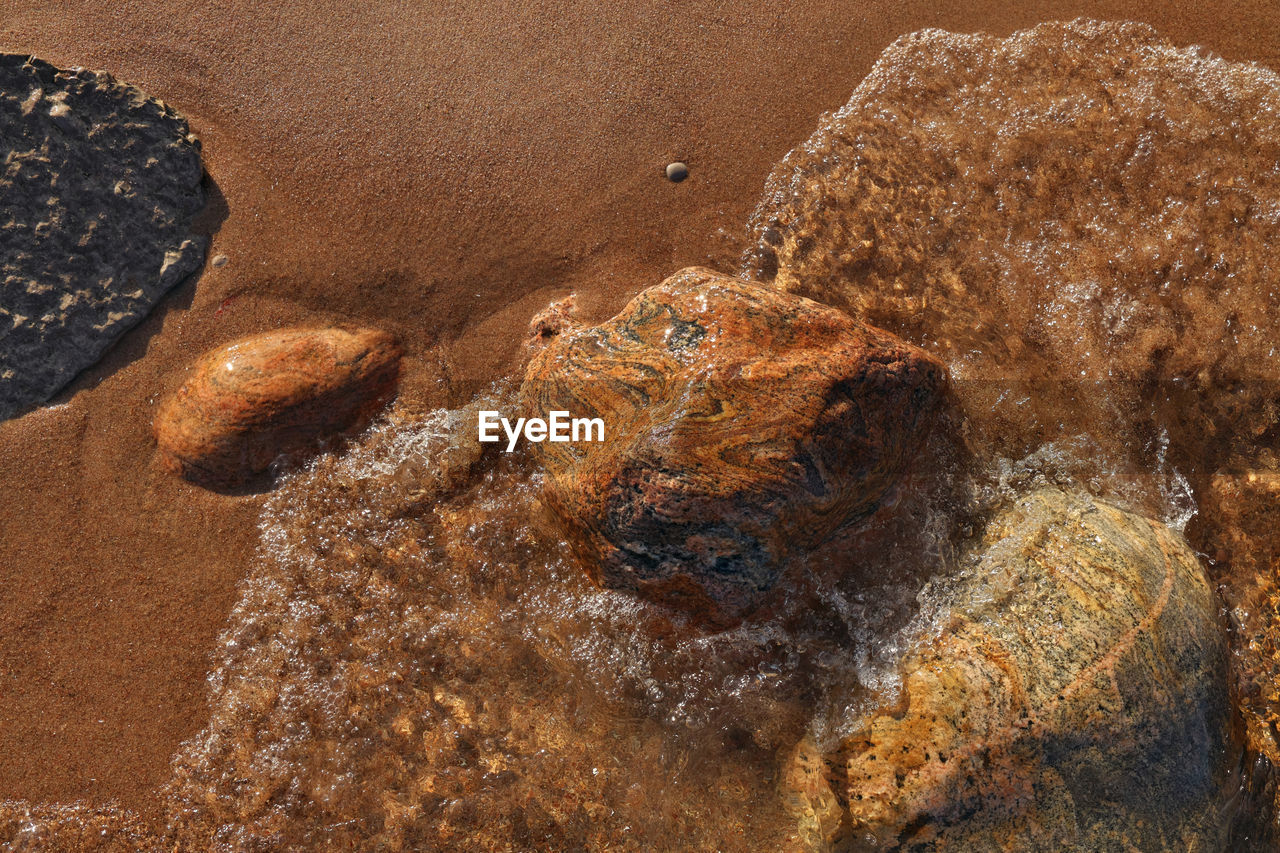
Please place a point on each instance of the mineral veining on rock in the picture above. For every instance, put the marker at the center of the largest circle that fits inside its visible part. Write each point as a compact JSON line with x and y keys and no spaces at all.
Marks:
{"x":279,"y":392}
{"x":743,"y":425}
{"x":98,"y":188}
{"x":1073,"y":698}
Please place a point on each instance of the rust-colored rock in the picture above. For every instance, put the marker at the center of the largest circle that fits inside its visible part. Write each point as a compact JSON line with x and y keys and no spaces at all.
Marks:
{"x":742,"y":425}
{"x":247,"y":403}
{"x":1071,"y":696}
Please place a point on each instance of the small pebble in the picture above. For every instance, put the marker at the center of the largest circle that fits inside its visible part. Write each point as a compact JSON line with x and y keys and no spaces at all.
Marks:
{"x":677,"y":172}
{"x":219,"y":261}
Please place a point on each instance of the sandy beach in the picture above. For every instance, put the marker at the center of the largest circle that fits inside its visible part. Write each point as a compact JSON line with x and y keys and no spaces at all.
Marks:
{"x":441,"y":171}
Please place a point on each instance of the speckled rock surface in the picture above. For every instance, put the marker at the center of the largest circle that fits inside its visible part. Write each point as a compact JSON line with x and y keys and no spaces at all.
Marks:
{"x":742,"y":425}
{"x":98,"y":188}
{"x":280,"y":392}
{"x":1072,"y":697}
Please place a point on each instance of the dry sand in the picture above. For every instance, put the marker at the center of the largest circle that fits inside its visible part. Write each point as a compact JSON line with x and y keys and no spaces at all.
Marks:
{"x":439,"y":170}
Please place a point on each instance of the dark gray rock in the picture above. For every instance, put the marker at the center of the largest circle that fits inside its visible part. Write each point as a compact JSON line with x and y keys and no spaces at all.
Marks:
{"x":98,"y":188}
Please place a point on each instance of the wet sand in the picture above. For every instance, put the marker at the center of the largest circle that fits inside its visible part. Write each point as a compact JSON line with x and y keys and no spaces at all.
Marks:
{"x":439,"y":172}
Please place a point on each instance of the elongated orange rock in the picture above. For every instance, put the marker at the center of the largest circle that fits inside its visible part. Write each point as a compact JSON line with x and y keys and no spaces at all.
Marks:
{"x":271,"y":394}
{"x":742,"y":425}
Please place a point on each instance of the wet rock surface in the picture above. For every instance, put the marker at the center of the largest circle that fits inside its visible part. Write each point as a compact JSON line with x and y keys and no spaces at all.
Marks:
{"x":98,"y":187}
{"x":1074,"y":698}
{"x":277,"y":393}
{"x":743,"y":426}
{"x":1239,"y":513}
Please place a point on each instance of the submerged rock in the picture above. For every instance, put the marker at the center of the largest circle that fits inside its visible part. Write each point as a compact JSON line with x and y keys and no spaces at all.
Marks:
{"x":742,"y":425}
{"x":279,"y":392}
{"x":1074,"y":697}
{"x":99,"y":185}
{"x":1078,"y":219}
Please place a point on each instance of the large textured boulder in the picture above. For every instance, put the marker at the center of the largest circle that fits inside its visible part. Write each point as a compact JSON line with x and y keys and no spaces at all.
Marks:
{"x":1073,"y":696}
{"x":743,"y":425}
{"x":98,"y":188}
{"x":247,"y":403}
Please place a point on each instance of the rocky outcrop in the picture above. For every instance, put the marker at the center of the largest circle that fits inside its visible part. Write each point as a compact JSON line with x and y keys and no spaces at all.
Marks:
{"x":98,"y":186}
{"x":743,"y":425}
{"x":1073,"y":696}
{"x":247,"y":403}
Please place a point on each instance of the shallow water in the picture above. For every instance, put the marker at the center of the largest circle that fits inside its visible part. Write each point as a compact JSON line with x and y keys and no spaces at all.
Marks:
{"x":1081,"y":222}
{"x":1092,"y":251}
{"x":426,"y":666}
